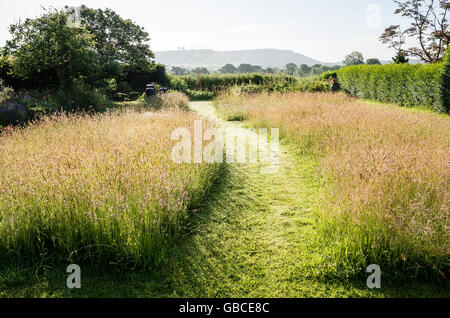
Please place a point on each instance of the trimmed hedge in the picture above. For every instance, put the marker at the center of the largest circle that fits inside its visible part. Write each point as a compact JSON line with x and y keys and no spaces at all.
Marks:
{"x":403,"y":84}
{"x":445,"y":83}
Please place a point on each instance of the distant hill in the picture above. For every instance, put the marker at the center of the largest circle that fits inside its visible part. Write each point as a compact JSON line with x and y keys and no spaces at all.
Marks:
{"x":216,"y":59}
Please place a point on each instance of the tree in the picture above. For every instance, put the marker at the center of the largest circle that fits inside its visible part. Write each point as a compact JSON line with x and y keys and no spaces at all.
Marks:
{"x":304,"y":70}
{"x":117,"y":39}
{"x":291,"y":68}
{"x":138,"y":77}
{"x":257,"y":69}
{"x":400,"y":58}
{"x":429,"y":29}
{"x":202,"y":70}
{"x":373,"y":62}
{"x":47,"y":52}
{"x":316,"y":69}
{"x":246,"y":68}
{"x":354,"y":58}
{"x":180,"y":71}
{"x":228,"y":69}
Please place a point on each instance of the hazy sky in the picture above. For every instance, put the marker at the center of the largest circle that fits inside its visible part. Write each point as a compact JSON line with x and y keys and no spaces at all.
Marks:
{"x":325,"y":30}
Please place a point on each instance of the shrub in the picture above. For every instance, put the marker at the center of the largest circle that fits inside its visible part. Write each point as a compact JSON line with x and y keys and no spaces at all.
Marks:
{"x":252,"y":88}
{"x":81,"y":98}
{"x":123,"y":93}
{"x":178,"y":83}
{"x":312,"y":85}
{"x":124,"y":87}
{"x":18,"y":107}
{"x":199,"y":95}
{"x":5,"y":92}
{"x":403,"y":84}
{"x":13,"y":114}
{"x":326,"y":76}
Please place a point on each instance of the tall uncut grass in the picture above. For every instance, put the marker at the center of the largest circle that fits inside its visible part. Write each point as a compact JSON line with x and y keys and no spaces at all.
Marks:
{"x":168,"y":101}
{"x":386,"y":177}
{"x":97,"y":188}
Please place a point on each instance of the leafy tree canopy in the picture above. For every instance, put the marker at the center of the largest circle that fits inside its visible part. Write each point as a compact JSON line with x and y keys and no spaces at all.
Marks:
{"x":61,"y":46}
{"x":373,"y":61}
{"x":117,"y":39}
{"x":304,"y":70}
{"x":202,"y":71}
{"x":228,"y":69}
{"x":48,"y":48}
{"x":291,"y":68}
{"x":180,"y":71}
{"x":248,"y":68}
{"x":354,"y":58}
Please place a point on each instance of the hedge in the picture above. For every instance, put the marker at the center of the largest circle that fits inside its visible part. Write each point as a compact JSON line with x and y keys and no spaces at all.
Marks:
{"x":199,"y":95}
{"x":215,"y":82}
{"x":403,"y":84}
{"x":247,"y":83}
{"x":445,"y":83}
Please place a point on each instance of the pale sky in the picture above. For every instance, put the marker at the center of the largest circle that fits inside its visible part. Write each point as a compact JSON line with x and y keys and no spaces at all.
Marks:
{"x":325,"y":30}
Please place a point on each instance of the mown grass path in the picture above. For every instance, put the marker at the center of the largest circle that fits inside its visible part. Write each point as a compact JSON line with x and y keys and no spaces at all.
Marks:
{"x":250,"y":238}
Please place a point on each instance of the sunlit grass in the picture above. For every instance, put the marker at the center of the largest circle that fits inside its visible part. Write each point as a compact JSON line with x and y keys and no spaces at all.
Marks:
{"x":101,"y":188}
{"x":386,"y":172}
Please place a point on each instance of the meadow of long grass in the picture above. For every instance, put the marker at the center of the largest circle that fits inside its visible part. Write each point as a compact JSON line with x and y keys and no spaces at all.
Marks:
{"x":97,"y":188}
{"x":385,"y":173}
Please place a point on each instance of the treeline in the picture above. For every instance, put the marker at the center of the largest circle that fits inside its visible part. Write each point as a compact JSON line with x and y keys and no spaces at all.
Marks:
{"x":292,"y":69}
{"x":403,"y":84}
{"x":227,"y":69}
